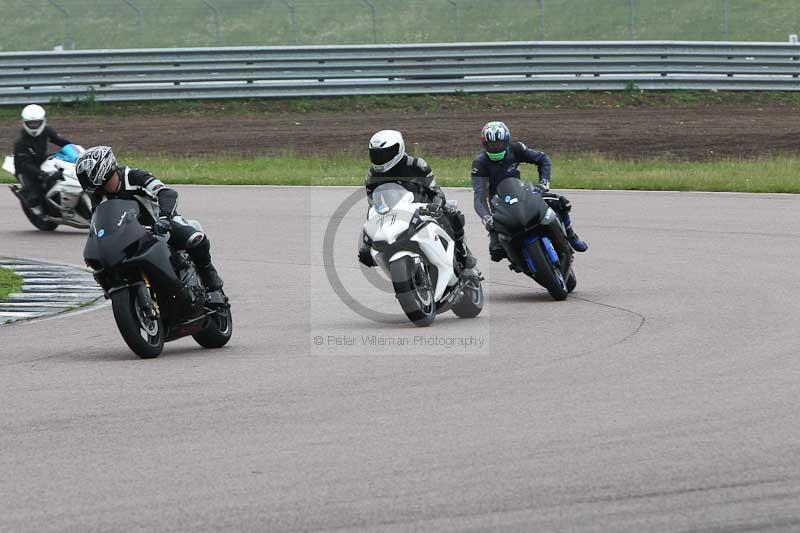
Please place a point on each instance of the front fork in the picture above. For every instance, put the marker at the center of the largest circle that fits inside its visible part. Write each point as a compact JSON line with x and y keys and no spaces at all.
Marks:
{"x":149,"y":304}
{"x":143,"y":292}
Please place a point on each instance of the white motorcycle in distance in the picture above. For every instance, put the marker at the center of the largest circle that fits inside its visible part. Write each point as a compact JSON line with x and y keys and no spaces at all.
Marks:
{"x":418,"y":255}
{"x":65,"y":201}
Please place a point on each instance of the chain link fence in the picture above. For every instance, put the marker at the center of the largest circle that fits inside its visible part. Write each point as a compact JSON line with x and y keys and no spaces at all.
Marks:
{"x":101,"y":24}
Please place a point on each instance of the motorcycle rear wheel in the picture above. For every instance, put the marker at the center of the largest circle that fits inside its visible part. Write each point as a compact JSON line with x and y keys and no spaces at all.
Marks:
{"x":218,"y":331}
{"x":471,"y":303}
{"x":572,"y":281}
{"x":142,"y":335}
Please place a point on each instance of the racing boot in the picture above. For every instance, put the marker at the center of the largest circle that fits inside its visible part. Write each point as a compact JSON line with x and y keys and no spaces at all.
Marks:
{"x":463,"y":255}
{"x":201,"y":256}
{"x":577,"y":244}
{"x":35,"y":203}
{"x":364,"y":252}
{"x":496,"y":251}
{"x":365,"y":257}
{"x":210,"y":277}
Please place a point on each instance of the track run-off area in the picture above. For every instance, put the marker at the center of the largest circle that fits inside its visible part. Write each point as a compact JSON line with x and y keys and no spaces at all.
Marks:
{"x":661,"y":395}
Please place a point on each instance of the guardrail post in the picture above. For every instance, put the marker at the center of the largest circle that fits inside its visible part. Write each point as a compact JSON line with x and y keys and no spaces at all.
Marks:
{"x":70,"y":43}
{"x":631,"y":10}
{"x":215,"y":11}
{"x":458,"y":20}
{"x":725,"y":19}
{"x":374,"y":25}
{"x":140,"y":17}
{"x":541,"y":20}
{"x":293,"y":19}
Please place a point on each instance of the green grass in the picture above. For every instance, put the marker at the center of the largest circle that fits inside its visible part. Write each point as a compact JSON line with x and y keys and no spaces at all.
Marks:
{"x":9,"y":282}
{"x":38,"y":24}
{"x":421,"y":104}
{"x":778,"y":174}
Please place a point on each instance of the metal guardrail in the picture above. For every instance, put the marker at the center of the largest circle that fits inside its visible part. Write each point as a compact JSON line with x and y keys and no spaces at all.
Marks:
{"x":263,"y":72}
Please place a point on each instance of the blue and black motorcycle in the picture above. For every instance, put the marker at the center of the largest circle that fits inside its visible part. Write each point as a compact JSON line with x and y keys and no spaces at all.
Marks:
{"x":533,"y":236}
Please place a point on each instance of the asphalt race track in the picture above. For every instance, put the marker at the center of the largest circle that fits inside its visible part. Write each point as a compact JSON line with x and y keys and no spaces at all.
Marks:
{"x":661,"y":396}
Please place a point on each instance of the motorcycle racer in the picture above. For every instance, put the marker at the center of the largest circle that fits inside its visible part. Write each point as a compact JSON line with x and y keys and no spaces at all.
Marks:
{"x":100,"y":175}
{"x":30,"y":151}
{"x":500,"y":159}
{"x":391,"y":163}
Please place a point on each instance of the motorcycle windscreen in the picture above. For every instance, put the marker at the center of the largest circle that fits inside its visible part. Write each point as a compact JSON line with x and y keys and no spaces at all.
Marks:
{"x":385,"y":197}
{"x":115,"y":227}
{"x":69,"y":153}
{"x":516,"y":206}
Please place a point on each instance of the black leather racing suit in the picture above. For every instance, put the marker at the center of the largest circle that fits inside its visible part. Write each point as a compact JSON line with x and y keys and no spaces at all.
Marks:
{"x":157,"y":200}
{"x":29,"y":153}
{"x":487,"y":174}
{"x":416,"y":175}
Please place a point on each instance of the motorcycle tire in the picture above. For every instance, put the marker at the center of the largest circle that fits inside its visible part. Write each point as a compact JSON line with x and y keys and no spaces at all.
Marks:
{"x":218,"y":331}
{"x":471,"y":303}
{"x":142,"y":335}
{"x":572,"y":281}
{"x":38,"y":222}
{"x":547,"y":274}
{"x":415,"y":299}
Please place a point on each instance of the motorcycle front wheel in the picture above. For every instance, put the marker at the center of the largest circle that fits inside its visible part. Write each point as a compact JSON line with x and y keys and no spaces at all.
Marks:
{"x":413,"y":289}
{"x":143,"y":335}
{"x":548,"y":275}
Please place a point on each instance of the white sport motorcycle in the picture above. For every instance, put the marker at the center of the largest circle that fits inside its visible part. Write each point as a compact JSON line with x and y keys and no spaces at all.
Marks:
{"x":65,"y":201}
{"x":418,"y":255}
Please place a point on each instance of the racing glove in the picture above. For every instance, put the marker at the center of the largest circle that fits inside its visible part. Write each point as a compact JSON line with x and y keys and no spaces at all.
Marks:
{"x":488,"y":221}
{"x":433,"y":209}
{"x":163,"y":226}
{"x":48,"y":180}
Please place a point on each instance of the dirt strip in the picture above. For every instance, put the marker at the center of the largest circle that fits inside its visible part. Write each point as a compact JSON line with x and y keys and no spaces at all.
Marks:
{"x":693,"y":134}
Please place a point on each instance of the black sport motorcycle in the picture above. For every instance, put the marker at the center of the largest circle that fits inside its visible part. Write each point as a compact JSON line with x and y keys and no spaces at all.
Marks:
{"x":533,"y":236}
{"x":155,"y":291}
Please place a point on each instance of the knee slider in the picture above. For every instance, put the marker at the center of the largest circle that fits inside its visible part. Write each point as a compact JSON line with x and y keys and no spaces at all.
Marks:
{"x":197,"y":239}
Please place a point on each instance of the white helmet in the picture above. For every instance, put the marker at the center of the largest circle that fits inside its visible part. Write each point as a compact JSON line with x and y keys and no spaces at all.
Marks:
{"x":33,"y":120}
{"x":386,"y":149}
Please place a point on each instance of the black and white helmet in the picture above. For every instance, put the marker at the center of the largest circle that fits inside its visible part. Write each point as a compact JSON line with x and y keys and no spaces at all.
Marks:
{"x":386,"y":149}
{"x":34,"y":120}
{"x":95,"y":166}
